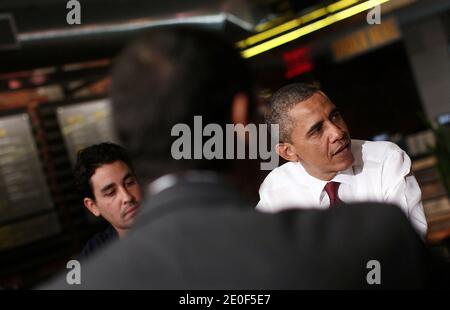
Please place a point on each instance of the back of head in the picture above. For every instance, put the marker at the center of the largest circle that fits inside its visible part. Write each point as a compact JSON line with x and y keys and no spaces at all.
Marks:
{"x":165,"y":79}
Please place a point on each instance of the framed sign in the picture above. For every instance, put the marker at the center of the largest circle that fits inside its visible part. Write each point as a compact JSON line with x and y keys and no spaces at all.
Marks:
{"x":84,"y":124}
{"x":23,"y":186}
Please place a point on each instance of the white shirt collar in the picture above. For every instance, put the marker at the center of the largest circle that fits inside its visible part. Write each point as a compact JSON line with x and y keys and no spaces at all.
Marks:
{"x":316,"y":186}
{"x":345,"y":176}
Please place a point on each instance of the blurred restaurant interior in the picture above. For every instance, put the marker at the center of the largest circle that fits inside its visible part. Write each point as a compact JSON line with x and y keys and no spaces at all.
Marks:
{"x":389,"y":77}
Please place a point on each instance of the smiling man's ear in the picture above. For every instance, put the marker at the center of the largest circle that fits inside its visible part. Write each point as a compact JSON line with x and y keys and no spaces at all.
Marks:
{"x":90,"y":204}
{"x":287,"y":151}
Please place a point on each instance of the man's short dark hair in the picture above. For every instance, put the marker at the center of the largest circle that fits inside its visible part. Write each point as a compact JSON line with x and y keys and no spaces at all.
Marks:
{"x":282,"y":102}
{"x":93,"y":157}
{"x":166,"y":78}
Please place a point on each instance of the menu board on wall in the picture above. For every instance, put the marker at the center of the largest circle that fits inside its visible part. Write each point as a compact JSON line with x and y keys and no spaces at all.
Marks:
{"x":84,"y":124}
{"x":23,"y":187}
{"x":29,"y":230}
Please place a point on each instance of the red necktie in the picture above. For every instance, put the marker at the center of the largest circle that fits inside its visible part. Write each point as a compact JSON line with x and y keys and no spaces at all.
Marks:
{"x":332,"y":191}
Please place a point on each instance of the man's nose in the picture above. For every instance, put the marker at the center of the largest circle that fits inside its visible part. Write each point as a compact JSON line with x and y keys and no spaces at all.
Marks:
{"x":336,"y":133}
{"x":126,"y":195}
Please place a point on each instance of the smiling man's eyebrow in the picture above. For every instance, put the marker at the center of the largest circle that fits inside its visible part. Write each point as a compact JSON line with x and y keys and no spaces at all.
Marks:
{"x":333,"y":112}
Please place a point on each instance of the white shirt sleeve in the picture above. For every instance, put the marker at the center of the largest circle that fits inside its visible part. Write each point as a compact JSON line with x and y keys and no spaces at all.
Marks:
{"x":262,"y":205}
{"x":259,"y":206}
{"x":400,"y":187}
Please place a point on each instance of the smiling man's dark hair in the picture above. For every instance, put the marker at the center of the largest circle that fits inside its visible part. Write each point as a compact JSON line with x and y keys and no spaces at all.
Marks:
{"x":283,"y":101}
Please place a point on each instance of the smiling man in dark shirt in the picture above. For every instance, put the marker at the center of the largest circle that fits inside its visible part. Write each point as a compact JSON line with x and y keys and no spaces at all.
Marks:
{"x":105,"y":179}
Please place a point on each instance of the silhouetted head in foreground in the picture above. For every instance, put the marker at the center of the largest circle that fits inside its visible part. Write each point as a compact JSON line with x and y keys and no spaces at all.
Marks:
{"x":163,"y":81}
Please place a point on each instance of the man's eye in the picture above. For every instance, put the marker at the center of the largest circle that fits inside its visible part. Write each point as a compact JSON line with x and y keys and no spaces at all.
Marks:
{"x":130,"y":182}
{"x":109,"y":194}
{"x":335,"y":116}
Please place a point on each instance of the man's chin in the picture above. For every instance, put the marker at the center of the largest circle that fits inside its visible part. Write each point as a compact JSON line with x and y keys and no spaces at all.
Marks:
{"x":128,"y":224}
{"x":346,"y":162}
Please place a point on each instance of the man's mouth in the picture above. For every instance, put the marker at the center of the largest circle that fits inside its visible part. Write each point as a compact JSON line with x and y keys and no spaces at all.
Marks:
{"x":131,"y":209}
{"x":343,"y":147}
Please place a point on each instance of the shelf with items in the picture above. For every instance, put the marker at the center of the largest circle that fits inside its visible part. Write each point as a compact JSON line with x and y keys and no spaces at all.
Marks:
{"x":435,"y":199}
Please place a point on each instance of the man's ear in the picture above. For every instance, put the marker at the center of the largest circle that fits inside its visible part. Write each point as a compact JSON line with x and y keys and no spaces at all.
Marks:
{"x":239,"y":109}
{"x":287,"y":151}
{"x":91,"y":205}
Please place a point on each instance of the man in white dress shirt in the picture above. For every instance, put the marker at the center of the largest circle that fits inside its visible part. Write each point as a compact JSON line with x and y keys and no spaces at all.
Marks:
{"x":326,"y":167}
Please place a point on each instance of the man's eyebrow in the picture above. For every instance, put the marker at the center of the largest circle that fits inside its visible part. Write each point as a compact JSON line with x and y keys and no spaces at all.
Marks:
{"x":107,"y":187}
{"x":314,"y":127}
{"x":334,"y":111}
